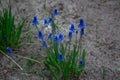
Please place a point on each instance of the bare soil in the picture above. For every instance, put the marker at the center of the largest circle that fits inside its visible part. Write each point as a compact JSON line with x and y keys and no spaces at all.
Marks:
{"x":102,"y":36}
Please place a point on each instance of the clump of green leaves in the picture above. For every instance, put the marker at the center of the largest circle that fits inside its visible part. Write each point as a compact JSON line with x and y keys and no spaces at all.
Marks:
{"x":9,"y":33}
{"x":68,"y":68}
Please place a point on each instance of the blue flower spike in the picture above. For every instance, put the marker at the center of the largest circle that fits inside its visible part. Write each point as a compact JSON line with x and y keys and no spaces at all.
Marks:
{"x":40,"y":35}
{"x":56,"y":39}
{"x":49,"y":20}
{"x":76,"y":31}
{"x":44,"y":43}
{"x":50,"y":36}
{"x":8,"y":50}
{"x":60,"y":57}
{"x":72,"y":28}
{"x":81,"y":24}
{"x":35,"y":22}
{"x":61,"y":36}
{"x":45,"y":22}
{"x":80,"y":63}
{"x":82,"y":32}
{"x":70,"y":34}
{"x":55,"y":12}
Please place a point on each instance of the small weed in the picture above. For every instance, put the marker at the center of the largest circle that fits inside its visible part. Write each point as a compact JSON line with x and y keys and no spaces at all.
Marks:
{"x":88,"y":29}
{"x":103,"y":73}
{"x":119,"y":69}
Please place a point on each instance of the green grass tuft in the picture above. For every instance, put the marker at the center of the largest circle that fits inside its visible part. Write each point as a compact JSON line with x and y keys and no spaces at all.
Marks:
{"x":9,"y":33}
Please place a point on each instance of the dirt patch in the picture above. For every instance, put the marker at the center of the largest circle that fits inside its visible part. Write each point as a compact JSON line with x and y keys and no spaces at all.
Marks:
{"x":102,"y":40}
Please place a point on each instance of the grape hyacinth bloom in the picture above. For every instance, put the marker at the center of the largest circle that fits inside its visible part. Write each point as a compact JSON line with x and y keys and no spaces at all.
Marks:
{"x":8,"y":50}
{"x":56,"y":39}
{"x":44,"y":43}
{"x":76,"y":31}
{"x":80,"y":62}
{"x":81,"y":24}
{"x":45,"y":22}
{"x":70,"y":34}
{"x":40,"y":35}
{"x":50,"y":36}
{"x":82,"y":32}
{"x":35,"y":22}
{"x":61,"y":36}
{"x":72,"y":27}
{"x":49,"y":20}
{"x":55,"y":12}
{"x":60,"y":57}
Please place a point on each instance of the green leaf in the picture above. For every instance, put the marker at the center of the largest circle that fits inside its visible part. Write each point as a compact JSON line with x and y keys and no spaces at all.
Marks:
{"x":19,"y":30}
{"x":119,"y":68}
{"x":83,"y":56}
{"x":81,"y":68}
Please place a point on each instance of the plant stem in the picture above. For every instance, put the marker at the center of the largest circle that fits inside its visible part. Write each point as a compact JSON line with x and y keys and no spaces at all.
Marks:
{"x":29,"y":59}
{"x":80,"y":44}
{"x":37,"y":28}
{"x":76,"y":39}
{"x":12,"y":60}
{"x":69,"y":44}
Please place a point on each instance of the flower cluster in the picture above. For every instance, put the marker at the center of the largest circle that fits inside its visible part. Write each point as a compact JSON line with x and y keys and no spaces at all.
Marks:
{"x":72,"y":29}
{"x":47,"y":21}
{"x":58,"y":37}
{"x":58,"y":53}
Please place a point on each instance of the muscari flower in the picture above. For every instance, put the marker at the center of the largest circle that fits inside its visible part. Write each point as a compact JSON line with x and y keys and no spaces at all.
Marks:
{"x":40,"y":35}
{"x":8,"y":50}
{"x":55,"y":12}
{"x":72,"y":27}
{"x":35,"y":22}
{"x":61,"y":36}
{"x":70,"y":34}
{"x":81,"y":24}
{"x":56,"y":39}
{"x":45,"y":22}
{"x":80,"y":62}
{"x":50,"y":36}
{"x":44,"y":43}
{"x":49,"y":20}
{"x":82,"y":32}
{"x":76,"y":31}
{"x":60,"y":57}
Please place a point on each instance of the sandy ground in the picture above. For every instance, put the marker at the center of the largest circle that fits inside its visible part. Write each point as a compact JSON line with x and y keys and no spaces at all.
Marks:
{"x":102,"y":39}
